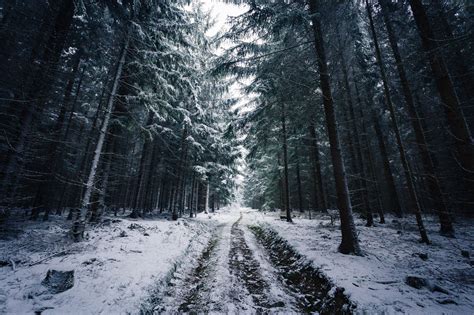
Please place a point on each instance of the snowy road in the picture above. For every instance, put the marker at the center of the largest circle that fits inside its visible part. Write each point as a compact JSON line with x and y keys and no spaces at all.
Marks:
{"x":236,"y":273}
{"x":232,"y":274}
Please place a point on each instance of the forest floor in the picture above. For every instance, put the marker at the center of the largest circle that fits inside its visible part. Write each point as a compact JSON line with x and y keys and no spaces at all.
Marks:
{"x":376,"y":282}
{"x":235,"y":261}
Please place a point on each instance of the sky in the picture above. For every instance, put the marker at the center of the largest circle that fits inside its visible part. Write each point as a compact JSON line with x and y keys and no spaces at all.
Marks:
{"x":221,"y":12}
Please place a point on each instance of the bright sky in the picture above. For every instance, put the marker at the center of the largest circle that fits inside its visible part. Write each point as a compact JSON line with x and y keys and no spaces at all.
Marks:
{"x":221,"y":11}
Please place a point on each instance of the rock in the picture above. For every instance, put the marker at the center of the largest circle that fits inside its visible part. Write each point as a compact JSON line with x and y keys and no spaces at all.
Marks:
{"x":58,"y":281}
{"x":423,"y":256}
{"x":146,"y":234}
{"x":123,"y":234}
{"x":416,"y":282}
{"x":465,"y":253}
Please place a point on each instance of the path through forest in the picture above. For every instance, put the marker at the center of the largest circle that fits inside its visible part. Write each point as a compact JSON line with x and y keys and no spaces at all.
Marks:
{"x":238,"y":272}
{"x":233,"y":273}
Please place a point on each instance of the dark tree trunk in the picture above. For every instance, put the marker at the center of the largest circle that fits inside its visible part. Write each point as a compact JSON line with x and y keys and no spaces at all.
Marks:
{"x":349,"y":243}
{"x":360,"y":172}
{"x":432,"y":179}
{"x":298,"y":180}
{"x":42,"y":72}
{"x":457,"y":123}
{"x":180,"y":175}
{"x":368,"y":156}
{"x":388,"y":102}
{"x":320,"y":198}
{"x":285,"y":165}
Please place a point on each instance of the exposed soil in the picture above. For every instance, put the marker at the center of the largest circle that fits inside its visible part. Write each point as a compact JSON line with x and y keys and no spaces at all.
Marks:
{"x":243,"y":265}
{"x":314,"y":292}
{"x":287,"y":283}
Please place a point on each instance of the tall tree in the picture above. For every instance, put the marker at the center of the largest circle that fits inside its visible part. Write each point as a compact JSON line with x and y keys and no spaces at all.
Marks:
{"x":349,"y":243}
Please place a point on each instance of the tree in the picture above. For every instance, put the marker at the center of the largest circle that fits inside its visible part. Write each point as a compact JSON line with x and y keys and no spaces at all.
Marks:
{"x":349,"y":243}
{"x":388,"y":102}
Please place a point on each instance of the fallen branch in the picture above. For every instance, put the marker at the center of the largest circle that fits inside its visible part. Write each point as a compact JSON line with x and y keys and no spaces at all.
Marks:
{"x":387,"y":282}
{"x":49,"y":257}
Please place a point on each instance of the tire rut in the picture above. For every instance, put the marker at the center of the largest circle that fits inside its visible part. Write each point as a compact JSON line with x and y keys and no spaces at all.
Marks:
{"x":246,"y":269}
{"x":314,"y":291}
{"x":188,"y":291}
{"x":197,"y":297}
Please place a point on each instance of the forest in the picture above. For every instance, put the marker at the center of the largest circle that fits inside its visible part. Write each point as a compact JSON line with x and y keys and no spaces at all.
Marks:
{"x":236,"y":156}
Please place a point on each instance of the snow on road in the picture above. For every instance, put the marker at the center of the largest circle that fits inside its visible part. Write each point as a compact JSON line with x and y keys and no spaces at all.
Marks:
{"x":230,"y":276}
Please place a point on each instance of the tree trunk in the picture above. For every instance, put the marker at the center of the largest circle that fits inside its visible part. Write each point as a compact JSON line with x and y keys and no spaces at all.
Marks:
{"x":461,"y":69}
{"x":433,"y":182}
{"x":79,"y":223}
{"x":298,"y":180}
{"x":206,"y":202}
{"x":368,"y":156}
{"x":180,"y":175}
{"x":457,"y":123}
{"x":41,"y":85}
{"x":320,"y":198}
{"x":191,"y":197}
{"x":144,"y":162}
{"x":349,"y":243}
{"x":359,"y":166}
{"x":388,"y":102}
{"x":286,"y":194}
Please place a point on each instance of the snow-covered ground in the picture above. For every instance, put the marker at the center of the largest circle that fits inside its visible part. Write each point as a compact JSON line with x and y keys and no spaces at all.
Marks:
{"x":216,"y":264}
{"x":115,"y":268}
{"x":218,"y":281}
{"x":376,"y":281}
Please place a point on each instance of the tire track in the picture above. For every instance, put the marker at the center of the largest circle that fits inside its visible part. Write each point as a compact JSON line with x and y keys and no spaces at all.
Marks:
{"x":315,"y":293}
{"x":197,"y":298}
{"x":246,"y":269}
{"x":189,"y":288}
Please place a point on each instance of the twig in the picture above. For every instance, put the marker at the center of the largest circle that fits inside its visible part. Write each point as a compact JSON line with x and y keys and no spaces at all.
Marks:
{"x":46,"y":258}
{"x":387,"y":282}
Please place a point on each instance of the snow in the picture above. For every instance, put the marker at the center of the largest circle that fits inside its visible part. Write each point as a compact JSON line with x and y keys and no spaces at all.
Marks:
{"x":113,"y":274}
{"x":122,"y":264}
{"x":376,"y":281}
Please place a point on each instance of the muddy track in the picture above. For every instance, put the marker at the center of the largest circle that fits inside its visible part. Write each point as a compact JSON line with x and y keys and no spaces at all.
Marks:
{"x":246,"y":269}
{"x":197,"y":296}
{"x":187,"y":289}
{"x":262,"y":276}
{"x":314,"y":292}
